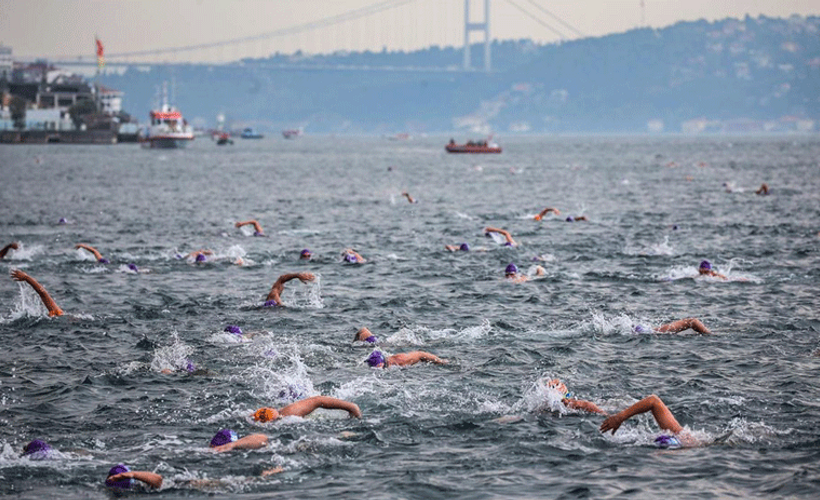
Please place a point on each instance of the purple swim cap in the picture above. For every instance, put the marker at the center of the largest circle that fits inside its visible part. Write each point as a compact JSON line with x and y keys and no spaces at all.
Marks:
{"x":233,"y":329}
{"x":103,"y":261}
{"x":305,"y":253}
{"x":201,"y":257}
{"x":350,"y":257}
{"x":667,"y":441}
{"x":508,"y":244}
{"x":465,"y":247}
{"x":640,"y":329}
{"x":37,"y":450}
{"x":122,"y":483}
{"x":257,"y":233}
{"x":190,"y":367}
{"x":705,"y":265}
{"x":270,"y":303}
{"x":570,"y":219}
{"x":511,"y":269}
{"x":376,"y":358}
{"x":224,"y":436}
{"x":133,"y":267}
{"x":371,"y":339}
{"x":62,"y":221}
{"x":292,"y":393}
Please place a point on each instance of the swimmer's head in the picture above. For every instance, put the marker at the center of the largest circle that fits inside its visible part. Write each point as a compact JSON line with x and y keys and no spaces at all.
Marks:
{"x":103,"y":260}
{"x":675,"y":227}
{"x":200,"y":257}
{"x":133,"y":267}
{"x":224,"y":436}
{"x":36,"y":450}
{"x":570,"y":219}
{"x":464,"y":247}
{"x":190,"y":367}
{"x":511,"y":269}
{"x":349,"y":257}
{"x":508,"y":244}
{"x":371,"y":339}
{"x":641,"y":329}
{"x":62,"y":221}
{"x":667,"y":441}
{"x":233,"y":329}
{"x":122,"y":483}
{"x":557,"y":385}
{"x":270,"y":303}
{"x":265,"y":415}
{"x":376,"y":359}
{"x":305,"y":254}
{"x":258,"y":233}
{"x":705,"y":266}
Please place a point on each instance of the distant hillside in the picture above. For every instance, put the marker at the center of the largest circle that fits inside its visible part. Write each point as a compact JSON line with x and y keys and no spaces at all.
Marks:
{"x":754,"y":74}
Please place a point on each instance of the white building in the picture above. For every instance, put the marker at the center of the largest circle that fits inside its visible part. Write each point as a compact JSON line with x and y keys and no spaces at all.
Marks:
{"x":110,"y":100}
{"x":6,"y":63}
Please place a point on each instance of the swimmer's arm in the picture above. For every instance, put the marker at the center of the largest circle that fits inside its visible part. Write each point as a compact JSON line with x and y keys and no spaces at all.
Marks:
{"x":417,"y":356}
{"x":451,"y":248}
{"x":546,"y":211}
{"x":359,"y":258}
{"x":53,"y":308}
{"x":506,"y":234}
{"x":91,"y":249}
{"x":8,"y":247}
{"x":306,"y":406}
{"x":256,"y":225}
{"x":653,"y":403}
{"x":252,"y":442}
{"x":149,"y":478}
{"x":279,"y":285}
{"x":580,"y":404}
{"x":407,"y":195}
{"x":683,"y":324}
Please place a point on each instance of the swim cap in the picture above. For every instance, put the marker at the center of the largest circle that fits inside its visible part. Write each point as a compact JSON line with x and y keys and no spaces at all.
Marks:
{"x":376,"y":358}
{"x":464,"y":247}
{"x":640,"y":329}
{"x":511,"y":269}
{"x":705,"y":265}
{"x":190,"y":366}
{"x":570,"y":219}
{"x":350,"y":257}
{"x":305,"y":253}
{"x":675,"y":227}
{"x":292,"y":392}
{"x":258,"y":233}
{"x":133,"y":267}
{"x":233,"y":329}
{"x":508,"y":244}
{"x":63,"y":221}
{"x":264,"y":415}
{"x":201,"y":257}
{"x":37,"y":450}
{"x":270,"y":303}
{"x":122,"y":483}
{"x":667,"y":441}
{"x":224,"y":436}
{"x":371,"y":339}
{"x":103,"y":261}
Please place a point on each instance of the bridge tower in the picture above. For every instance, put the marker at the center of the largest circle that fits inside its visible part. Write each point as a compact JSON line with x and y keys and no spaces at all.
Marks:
{"x":477,"y":26}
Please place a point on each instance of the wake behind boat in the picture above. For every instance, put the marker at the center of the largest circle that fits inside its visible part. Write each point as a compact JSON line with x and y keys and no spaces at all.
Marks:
{"x":472,"y":147}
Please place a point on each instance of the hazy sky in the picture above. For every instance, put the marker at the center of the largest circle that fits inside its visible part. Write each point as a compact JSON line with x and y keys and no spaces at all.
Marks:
{"x":54,"y":28}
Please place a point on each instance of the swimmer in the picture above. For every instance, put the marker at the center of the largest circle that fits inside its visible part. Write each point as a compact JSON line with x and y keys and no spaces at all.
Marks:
{"x":576,"y":219}
{"x":675,"y":327}
{"x":455,"y":248}
{"x":273,"y":298}
{"x":410,"y":199}
{"x":305,"y":254}
{"x":663,"y":417}
{"x":377,"y":359}
{"x":10,"y":246}
{"x":365,"y":335}
{"x":197,"y":256}
{"x":503,"y":232}
{"x":53,"y":308}
{"x":227,"y":440}
{"x":705,"y":268}
{"x":121,"y":477}
{"x":37,"y":450}
{"x":545,"y":212}
{"x":350,"y":255}
{"x":97,"y":255}
{"x":763,"y":189}
{"x":257,"y":229}
{"x":511,"y":273}
{"x":306,"y":407}
{"x":571,"y":402}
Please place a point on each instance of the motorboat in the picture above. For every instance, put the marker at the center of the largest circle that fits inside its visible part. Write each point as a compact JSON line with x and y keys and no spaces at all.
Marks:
{"x":473,"y":147}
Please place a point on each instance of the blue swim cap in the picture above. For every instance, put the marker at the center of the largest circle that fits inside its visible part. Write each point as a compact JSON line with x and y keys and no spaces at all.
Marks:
{"x":705,"y":265}
{"x":103,"y":261}
{"x":667,"y":441}
{"x":201,"y":257}
{"x":37,"y":450}
{"x":224,"y":436}
{"x":133,"y":267}
{"x":350,"y":257}
{"x":376,"y":358}
{"x":371,"y":339}
{"x":233,"y":329}
{"x":270,"y":303}
{"x":511,"y":269}
{"x":122,"y":483}
{"x":464,"y":247}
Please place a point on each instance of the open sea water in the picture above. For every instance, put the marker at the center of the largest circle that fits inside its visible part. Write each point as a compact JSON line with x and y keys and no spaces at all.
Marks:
{"x":91,"y":383}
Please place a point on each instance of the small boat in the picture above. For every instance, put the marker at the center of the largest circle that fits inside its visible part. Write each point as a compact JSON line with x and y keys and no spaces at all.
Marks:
{"x":223,"y":139}
{"x":292,"y":133}
{"x":168,"y":129}
{"x":473,"y":147}
{"x":250,"y":133}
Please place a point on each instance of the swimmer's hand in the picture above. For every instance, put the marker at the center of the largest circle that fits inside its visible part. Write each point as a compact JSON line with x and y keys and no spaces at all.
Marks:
{"x":305,"y":277}
{"x":612,"y":423}
{"x":18,"y":275}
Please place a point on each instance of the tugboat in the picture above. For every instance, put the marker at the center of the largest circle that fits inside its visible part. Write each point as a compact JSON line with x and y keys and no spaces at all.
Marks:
{"x":168,"y":128}
{"x":250,"y":133}
{"x":472,"y":147}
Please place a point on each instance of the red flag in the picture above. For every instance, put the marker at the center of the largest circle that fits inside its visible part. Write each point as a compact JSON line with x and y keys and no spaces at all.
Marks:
{"x":100,"y":56}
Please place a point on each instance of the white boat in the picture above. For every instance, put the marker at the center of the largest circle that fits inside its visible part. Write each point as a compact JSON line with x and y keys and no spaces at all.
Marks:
{"x":168,"y":129}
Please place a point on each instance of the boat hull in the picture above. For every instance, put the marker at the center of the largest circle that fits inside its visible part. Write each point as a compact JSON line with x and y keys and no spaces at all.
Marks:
{"x":168,"y":142}
{"x":463,"y":148}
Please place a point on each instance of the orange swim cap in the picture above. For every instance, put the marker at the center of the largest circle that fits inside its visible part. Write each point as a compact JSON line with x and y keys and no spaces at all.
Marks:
{"x":264,"y":415}
{"x":537,"y":217}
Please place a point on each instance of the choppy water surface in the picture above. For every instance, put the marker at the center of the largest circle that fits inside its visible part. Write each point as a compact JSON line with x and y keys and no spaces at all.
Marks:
{"x":91,"y":382}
